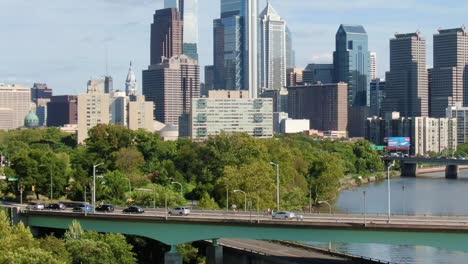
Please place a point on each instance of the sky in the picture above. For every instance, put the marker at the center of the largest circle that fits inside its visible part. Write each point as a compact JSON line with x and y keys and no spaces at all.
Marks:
{"x":66,"y":42}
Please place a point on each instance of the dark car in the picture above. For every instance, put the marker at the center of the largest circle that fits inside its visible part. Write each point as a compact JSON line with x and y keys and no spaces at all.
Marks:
{"x":107,"y":208}
{"x":83,"y":208}
{"x":133,"y":210}
{"x":56,"y":206}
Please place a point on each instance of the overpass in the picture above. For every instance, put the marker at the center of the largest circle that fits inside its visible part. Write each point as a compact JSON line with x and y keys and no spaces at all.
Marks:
{"x":449,"y":233}
{"x":409,"y":165}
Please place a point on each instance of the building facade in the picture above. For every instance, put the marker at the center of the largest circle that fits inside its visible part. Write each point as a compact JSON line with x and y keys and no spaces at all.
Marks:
{"x":373,"y":65}
{"x":188,"y":10}
{"x":406,"y":88}
{"x":212,"y":116}
{"x":351,"y":63}
{"x":377,"y":94}
{"x":273,"y":50}
{"x":62,"y":110}
{"x":93,"y":109}
{"x":15,"y":102}
{"x":140,"y":114}
{"x":325,"y":105}
{"x":294,"y":76}
{"x":461,"y":115}
{"x":166,"y":34}
{"x":290,"y":53}
{"x":318,"y":73}
{"x":448,"y":80}
{"x":171,"y":85}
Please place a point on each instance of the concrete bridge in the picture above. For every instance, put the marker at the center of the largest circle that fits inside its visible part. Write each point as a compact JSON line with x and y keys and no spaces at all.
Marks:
{"x":449,"y":233}
{"x":409,"y":166}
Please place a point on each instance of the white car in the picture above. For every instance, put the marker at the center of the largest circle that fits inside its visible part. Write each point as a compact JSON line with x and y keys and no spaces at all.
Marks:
{"x":35,"y":206}
{"x":179,"y":211}
{"x":283,"y":215}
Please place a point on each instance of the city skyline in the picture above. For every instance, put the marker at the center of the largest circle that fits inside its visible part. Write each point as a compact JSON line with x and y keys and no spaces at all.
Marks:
{"x":65,"y":55}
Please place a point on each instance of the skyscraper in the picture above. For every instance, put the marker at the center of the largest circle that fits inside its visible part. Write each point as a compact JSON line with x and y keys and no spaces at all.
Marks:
{"x":290,"y":53}
{"x":406,"y":88}
{"x":318,"y":73}
{"x":236,"y":45}
{"x":15,"y":104}
{"x":166,"y":34}
{"x":373,"y":65}
{"x":351,"y":63}
{"x":273,"y":49}
{"x":62,"y":110}
{"x":171,"y":85}
{"x":189,"y":12}
{"x":448,"y":80}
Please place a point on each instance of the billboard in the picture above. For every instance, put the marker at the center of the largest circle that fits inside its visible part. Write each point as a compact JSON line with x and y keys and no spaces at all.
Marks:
{"x":398,"y":143}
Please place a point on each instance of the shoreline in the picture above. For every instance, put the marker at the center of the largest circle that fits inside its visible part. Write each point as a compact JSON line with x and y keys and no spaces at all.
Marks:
{"x":436,"y":169}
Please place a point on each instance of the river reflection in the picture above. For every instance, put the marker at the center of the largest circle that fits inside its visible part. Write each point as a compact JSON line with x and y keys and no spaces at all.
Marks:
{"x":428,"y":194}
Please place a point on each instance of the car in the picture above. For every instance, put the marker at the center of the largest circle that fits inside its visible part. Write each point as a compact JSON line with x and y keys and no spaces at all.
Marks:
{"x":83,"y":208}
{"x":179,"y":211}
{"x":35,"y":206}
{"x":56,"y":206}
{"x":107,"y":208}
{"x":133,"y":210}
{"x":283,"y":215}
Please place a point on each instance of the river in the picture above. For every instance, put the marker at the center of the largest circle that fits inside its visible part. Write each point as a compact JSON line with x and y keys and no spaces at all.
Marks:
{"x":429,"y":194}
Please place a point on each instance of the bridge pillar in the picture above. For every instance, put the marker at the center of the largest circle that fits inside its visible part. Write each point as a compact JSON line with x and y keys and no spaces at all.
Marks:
{"x":451,"y":172}
{"x":408,"y":169}
{"x":173,"y":257}
{"x":214,"y":253}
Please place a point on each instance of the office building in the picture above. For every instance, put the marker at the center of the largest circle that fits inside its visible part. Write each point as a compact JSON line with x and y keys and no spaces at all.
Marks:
{"x":171,"y":85}
{"x":448,"y":80}
{"x":93,"y":109}
{"x":351,"y":63}
{"x":318,"y":73}
{"x":100,"y":85}
{"x":62,"y":110}
{"x":40,"y":91}
{"x":460,"y":113}
{"x":209,"y":80}
{"x":373,"y":65}
{"x":427,"y":135}
{"x":188,"y":10}
{"x":279,"y":97}
{"x":140,"y":114}
{"x":325,"y":105}
{"x":15,"y":102}
{"x":406,"y":87}
{"x":294,"y":77}
{"x":294,"y":126}
{"x":166,"y":35}
{"x":273,"y":49}
{"x":290,"y":53}
{"x":278,"y":117}
{"x":236,"y":45}
{"x":377,"y":94}
{"x":212,"y":116}
{"x":219,"y":94}
{"x":118,"y":102}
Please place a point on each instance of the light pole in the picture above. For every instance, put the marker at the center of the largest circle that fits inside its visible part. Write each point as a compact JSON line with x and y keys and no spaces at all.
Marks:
{"x":181,"y":188}
{"x":227,"y":199}
{"x":327,"y":203}
{"x":277,"y":185}
{"x":245,"y":199}
{"x":365,"y":208}
{"x":94,"y":186}
{"x":388,"y":189}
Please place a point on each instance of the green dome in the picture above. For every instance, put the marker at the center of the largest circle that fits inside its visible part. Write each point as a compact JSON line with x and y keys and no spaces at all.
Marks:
{"x":31,"y":120}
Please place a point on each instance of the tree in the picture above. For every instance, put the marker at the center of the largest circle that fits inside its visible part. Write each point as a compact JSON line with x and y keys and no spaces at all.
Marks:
{"x":325,"y":175}
{"x":207,"y":202}
{"x":129,"y":160}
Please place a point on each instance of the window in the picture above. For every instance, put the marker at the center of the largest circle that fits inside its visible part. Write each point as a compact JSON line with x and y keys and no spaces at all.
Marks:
{"x":350,"y":45}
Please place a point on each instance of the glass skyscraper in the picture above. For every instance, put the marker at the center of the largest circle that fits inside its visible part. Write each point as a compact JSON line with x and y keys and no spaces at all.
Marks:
{"x":236,"y":46}
{"x":189,"y":12}
{"x":351,"y":63}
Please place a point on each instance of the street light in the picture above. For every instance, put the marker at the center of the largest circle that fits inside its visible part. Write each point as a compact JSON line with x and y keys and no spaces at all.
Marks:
{"x":388,"y":189}
{"x":277,"y":186}
{"x":245,"y":199}
{"x":94,"y":186}
{"x":327,"y":203}
{"x":181,"y":190}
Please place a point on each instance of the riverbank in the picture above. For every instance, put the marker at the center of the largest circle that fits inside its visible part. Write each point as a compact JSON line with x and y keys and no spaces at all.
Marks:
{"x":436,"y":169}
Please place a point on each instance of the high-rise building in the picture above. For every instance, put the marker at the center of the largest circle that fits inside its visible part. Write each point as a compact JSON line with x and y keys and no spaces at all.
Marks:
{"x":140,"y":114}
{"x":318,"y":73}
{"x":236,"y":46}
{"x":209,"y":80}
{"x":166,"y":34}
{"x":290,"y":53}
{"x":377,"y":94}
{"x":461,"y":114}
{"x":15,"y":103}
{"x":294,"y":76}
{"x":273,"y":49}
{"x":406,"y":88}
{"x":325,"y":105}
{"x":118,"y":108}
{"x":171,"y":85}
{"x":100,"y":85}
{"x":373,"y":65}
{"x":40,"y":91}
{"x":351,"y":63}
{"x":188,"y":10}
{"x":93,"y":109}
{"x":448,"y":80}
{"x":62,"y":110}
